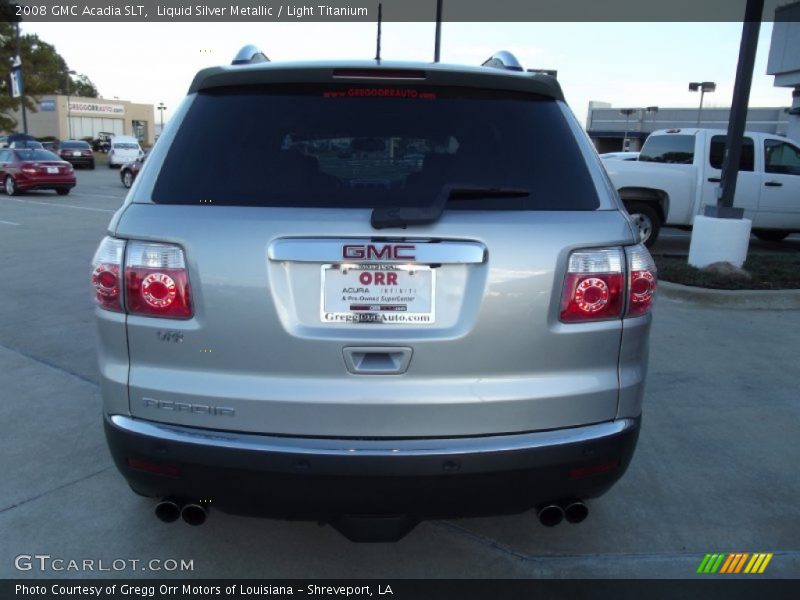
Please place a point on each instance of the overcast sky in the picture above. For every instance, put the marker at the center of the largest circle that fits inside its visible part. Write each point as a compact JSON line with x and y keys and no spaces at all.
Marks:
{"x":627,"y":64}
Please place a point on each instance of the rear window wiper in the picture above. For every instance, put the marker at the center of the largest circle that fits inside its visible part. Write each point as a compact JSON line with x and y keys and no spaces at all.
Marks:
{"x":401,"y":216}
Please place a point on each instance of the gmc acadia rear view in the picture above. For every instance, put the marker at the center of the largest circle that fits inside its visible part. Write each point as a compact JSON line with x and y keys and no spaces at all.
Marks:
{"x":391,"y":292}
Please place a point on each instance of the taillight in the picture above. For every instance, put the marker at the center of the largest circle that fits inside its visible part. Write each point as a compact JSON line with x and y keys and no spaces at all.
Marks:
{"x":106,"y":268}
{"x":593,"y":287}
{"x":28,"y":168}
{"x":596,"y":286}
{"x":642,"y":282}
{"x":156,"y":281}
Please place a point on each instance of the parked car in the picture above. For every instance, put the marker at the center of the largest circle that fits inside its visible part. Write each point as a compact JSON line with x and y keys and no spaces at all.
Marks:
{"x":30,"y":144}
{"x":129,"y":171}
{"x":124,"y":149}
{"x":464,"y":334}
{"x":78,"y":153}
{"x":17,"y":137}
{"x":24,"y":169}
{"x":678,"y":174}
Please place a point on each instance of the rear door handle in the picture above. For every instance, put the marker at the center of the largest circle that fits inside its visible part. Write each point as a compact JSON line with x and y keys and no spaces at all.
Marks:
{"x":773,"y":184}
{"x":714,"y":180}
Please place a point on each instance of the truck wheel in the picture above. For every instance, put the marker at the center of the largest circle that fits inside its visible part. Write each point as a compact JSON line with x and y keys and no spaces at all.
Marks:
{"x":647,"y":220}
{"x":771,"y":235}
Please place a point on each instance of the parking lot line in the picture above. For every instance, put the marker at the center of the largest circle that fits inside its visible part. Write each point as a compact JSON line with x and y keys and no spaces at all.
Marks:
{"x":105,"y":210}
{"x":9,"y":223}
{"x":94,"y":195}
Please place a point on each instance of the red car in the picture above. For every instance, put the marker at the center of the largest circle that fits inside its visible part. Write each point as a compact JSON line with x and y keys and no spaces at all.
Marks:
{"x":23,"y":169}
{"x":129,"y":171}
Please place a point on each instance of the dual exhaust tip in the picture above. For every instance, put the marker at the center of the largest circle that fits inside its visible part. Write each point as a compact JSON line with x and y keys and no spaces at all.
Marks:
{"x":574,"y":511}
{"x":550,"y":515}
{"x":170,"y":511}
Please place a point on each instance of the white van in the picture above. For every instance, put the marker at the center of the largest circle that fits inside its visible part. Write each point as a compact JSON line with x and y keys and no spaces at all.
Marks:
{"x":124,"y":149}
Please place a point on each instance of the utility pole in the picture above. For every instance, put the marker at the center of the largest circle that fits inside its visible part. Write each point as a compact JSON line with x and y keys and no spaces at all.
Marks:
{"x":736,"y":124}
{"x":69,"y":115}
{"x":722,"y":234}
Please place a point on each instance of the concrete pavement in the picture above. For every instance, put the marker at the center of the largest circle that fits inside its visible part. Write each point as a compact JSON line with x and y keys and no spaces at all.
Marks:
{"x":715,"y":470}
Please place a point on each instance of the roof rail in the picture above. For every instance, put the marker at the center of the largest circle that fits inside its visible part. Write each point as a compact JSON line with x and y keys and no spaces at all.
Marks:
{"x":552,"y":72}
{"x":249,"y":55}
{"x":503,"y":60}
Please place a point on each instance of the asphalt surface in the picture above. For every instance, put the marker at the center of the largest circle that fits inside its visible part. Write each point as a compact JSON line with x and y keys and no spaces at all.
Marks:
{"x":715,"y":470}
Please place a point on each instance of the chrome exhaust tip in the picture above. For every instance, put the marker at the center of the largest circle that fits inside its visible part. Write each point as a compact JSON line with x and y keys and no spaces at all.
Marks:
{"x":550,"y":515}
{"x":168,"y":511}
{"x":575,"y":511}
{"x":194,"y":514}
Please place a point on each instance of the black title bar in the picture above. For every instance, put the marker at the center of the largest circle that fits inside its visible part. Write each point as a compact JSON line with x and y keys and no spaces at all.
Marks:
{"x":706,"y":587}
{"x":394,"y":10}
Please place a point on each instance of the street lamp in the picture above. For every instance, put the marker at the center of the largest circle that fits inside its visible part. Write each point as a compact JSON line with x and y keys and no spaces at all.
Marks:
{"x":627,"y":112}
{"x":703,"y":87}
{"x":652,"y":110}
{"x":161,"y":108}
{"x":69,"y":117}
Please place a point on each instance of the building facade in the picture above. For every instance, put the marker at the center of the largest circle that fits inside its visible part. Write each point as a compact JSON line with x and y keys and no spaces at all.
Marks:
{"x":784,"y":59}
{"x":609,"y":127}
{"x":74,"y":117}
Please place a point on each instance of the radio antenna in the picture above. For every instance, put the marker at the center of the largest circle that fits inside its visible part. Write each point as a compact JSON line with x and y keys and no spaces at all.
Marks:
{"x":438,"y":35}
{"x":378,"y":50}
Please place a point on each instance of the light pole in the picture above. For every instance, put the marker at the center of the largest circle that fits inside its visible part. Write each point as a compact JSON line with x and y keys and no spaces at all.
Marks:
{"x":18,"y":65}
{"x":161,"y":108}
{"x":627,"y":112}
{"x":69,"y":115}
{"x":652,"y":110}
{"x":703,"y":87}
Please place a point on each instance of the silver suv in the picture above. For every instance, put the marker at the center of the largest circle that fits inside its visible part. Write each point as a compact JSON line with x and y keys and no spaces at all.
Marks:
{"x":391,"y":292}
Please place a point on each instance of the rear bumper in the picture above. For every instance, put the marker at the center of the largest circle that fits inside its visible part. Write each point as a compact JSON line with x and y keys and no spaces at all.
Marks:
{"x":121,"y":160}
{"x":79,"y":160}
{"x":321,"y":478}
{"x":44,"y":183}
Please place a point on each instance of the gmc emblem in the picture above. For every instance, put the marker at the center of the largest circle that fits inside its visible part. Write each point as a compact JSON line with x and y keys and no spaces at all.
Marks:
{"x":380,"y":252}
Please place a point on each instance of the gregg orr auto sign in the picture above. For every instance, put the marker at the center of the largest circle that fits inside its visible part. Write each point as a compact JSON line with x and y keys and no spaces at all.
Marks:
{"x":92,"y":107}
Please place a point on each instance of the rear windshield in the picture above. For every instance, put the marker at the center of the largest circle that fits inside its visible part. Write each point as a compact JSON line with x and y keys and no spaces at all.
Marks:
{"x":365,"y":147}
{"x":668,"y":148}
{"x":80,"y":145}
{"x":25,"y":154}
{"x":125,"y":146}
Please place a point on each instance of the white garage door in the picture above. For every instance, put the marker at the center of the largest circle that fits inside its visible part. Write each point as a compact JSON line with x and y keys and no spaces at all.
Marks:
{"x":90,"y":126}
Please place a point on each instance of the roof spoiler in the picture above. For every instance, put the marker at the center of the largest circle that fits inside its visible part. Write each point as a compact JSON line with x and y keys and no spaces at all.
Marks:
{"x":249,"y":55}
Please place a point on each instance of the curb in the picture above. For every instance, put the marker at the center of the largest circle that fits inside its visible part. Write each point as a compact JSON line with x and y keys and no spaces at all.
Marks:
{"x":736,"y":299}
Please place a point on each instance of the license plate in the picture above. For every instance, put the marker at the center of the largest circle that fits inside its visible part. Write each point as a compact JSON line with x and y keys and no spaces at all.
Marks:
{"x":76,"y":154}
{"x":385,"y":294}
{"x":52,"y":169}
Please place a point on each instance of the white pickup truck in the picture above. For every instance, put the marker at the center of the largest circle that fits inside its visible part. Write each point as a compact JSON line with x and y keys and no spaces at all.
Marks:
{"x":678,"y":174}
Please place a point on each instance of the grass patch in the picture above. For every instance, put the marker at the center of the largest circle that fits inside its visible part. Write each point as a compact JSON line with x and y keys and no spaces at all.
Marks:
{"x":768,"y":272}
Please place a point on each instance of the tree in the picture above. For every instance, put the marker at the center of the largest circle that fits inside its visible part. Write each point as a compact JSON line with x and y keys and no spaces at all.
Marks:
{"x":44,"y":70}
